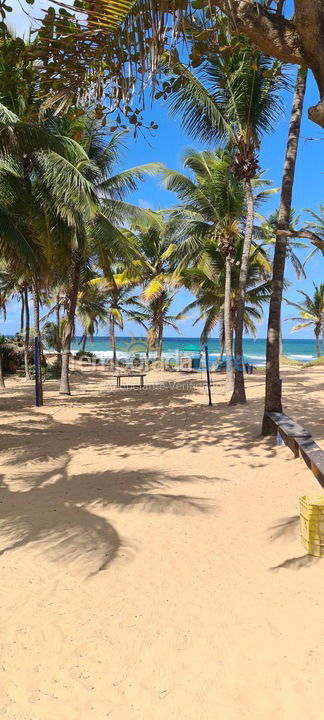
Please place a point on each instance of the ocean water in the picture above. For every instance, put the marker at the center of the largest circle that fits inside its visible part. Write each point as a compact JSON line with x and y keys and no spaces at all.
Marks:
{"x":254,"y":350}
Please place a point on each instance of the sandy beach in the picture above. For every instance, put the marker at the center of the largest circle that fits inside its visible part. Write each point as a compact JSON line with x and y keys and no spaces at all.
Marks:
{"x":151,"y":564}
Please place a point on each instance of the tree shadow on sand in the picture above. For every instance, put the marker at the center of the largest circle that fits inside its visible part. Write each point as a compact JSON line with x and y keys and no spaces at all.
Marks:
{"x":296,"y":563}
{"x":286,"y":527}
{"x":164,"y":419}
{"x":61,"y":513}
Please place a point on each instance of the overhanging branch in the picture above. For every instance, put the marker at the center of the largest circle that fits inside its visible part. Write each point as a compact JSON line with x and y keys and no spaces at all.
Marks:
{"x":271,"y":32}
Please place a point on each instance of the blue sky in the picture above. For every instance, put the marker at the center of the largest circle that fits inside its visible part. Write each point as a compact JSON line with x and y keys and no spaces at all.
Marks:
{"x":168,"y":145}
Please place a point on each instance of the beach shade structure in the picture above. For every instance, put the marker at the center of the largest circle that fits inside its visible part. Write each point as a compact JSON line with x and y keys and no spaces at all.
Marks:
{"x":189,"y":348}
{"x":195,"y":362}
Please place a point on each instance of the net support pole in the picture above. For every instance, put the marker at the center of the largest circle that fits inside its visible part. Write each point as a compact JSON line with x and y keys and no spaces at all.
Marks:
{"x":208,"y":376}
{"x":37,"y":372}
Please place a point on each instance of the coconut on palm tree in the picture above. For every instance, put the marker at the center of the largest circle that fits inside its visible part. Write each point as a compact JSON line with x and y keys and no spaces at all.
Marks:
{"x":311,"y":313}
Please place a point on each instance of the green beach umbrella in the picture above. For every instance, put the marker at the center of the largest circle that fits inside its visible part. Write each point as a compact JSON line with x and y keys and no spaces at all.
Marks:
{"x":191,"y":348}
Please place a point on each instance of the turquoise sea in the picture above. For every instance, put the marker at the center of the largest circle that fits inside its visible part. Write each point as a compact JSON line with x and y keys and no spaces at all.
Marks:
{"x":254,"y":350}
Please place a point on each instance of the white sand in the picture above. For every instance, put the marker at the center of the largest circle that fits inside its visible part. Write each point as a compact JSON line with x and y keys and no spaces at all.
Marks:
{"x":151,"y":565}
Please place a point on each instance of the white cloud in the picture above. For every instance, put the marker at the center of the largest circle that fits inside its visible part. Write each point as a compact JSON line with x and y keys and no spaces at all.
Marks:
{"x":144,"y":204}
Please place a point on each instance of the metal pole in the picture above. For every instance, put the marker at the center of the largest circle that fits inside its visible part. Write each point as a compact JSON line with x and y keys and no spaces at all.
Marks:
{"x":208,"y":375}
{"x":37,"y":369}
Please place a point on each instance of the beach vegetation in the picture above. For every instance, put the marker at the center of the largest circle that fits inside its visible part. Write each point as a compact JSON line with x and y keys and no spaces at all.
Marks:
{"x":311,"y":313}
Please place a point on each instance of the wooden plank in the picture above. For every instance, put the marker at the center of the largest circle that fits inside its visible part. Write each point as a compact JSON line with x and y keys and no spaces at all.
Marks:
{"x":301,"y":442}
{"x":289,"y":426}
{"x":313,"y":456}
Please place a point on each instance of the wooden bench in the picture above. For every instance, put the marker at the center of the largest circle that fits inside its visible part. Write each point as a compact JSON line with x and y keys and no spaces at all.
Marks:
{"x":300,"y":441}
{"x":125,"y":375}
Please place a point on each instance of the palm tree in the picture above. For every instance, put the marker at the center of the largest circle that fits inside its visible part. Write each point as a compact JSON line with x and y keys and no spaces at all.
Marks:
{"x":152,"y":270}
{"x":207,"y":281}
{"x":267,"y":233}
{"x":155,"y":316}
{"x":118,"y":303}
{"x":234,"y":97}
{"x":14,"y":283}
{"x":273,"y":396}
{"x":49,"y":335}
{"x":91,"y":311}
{"x":311,"y":313}
{"x":317,"y":223}
{"x":42,"y":194}
{"x":212,"y":207}
{"x":94,"y":217}
{"x":117,"y":299}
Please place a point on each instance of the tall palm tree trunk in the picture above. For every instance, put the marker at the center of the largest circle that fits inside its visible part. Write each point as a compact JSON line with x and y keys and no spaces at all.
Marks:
{"x":37,"y":335}
{"x":227,"y":326}
{"x":22,"y":312}
{"x":317,"y":334}
{"x":160,"y":340}
{"x":113,"y":341}
{"x":84,"y":342}
{"x":69,"y":326}
{"x":239,"y":395}
{"x":27,"y":325}
{"x":2,"y":383}
{"x":273,"y":396}
{"x":58,"y":332}
{"x":148,"y":340}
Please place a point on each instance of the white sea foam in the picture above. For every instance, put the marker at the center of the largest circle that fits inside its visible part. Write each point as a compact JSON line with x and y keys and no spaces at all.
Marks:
{"x":104,"y":355}
{"x":301,"y":357}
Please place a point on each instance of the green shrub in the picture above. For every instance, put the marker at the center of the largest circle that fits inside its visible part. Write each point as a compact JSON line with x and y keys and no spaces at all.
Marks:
{"x":52,"y":372}
{"x":84,"y":353}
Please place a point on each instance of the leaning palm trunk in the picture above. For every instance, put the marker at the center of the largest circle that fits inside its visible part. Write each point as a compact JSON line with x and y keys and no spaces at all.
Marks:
{"x":227,"y":326}
{"x":26,"y":344}
{"x":239,"y":386}
{"x":273,"y":397}
{"x":113,"y":341}
{"x":37,"y":335}
{"x":69,"y":326}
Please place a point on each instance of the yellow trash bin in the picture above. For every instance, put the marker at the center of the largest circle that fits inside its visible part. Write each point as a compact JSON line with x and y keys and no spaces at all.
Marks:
{"x":312,"y":524}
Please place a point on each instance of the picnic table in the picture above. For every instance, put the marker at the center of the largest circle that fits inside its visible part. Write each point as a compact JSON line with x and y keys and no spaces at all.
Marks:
{"x":141,"y":376}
